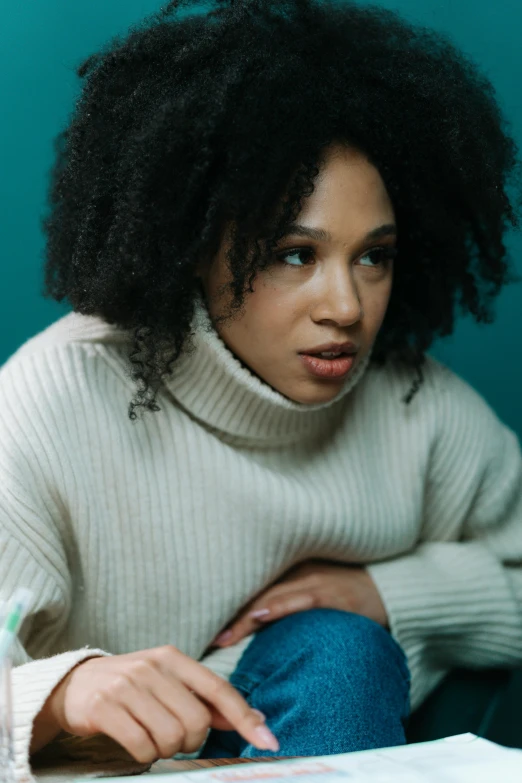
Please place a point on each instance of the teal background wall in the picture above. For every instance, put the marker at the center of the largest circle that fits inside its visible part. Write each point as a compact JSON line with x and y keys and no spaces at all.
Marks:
{"x":41,"y":43}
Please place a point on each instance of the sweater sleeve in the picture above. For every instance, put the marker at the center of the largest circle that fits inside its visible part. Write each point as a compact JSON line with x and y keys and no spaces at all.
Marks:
{"x":32,"y":555}
{"x":456,"y":599}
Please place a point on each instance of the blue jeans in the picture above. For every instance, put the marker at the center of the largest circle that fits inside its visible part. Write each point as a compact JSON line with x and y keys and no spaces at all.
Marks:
{"x":328,"y":681}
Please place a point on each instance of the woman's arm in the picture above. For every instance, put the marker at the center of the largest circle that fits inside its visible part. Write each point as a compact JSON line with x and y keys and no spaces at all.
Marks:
{"x":32,"y":554}
{"x":115,"y":713}
{"x":456,"y":600}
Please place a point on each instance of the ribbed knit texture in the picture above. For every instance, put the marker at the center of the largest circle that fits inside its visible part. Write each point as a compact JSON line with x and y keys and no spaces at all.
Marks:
{"x":134,"y":535}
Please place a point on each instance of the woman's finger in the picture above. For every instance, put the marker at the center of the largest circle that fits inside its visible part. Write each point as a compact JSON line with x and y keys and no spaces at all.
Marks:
{"x":174,"y":698}
{"x":166,"y":729}
{"x":263,"y":600}
{"x":219,"y":693}
{"x":116,"y":722}
{"x":267,"y":611}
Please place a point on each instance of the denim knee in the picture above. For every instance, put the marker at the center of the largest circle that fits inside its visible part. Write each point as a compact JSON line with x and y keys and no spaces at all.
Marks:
{"x":332,"y":642}
{"x":328,"y":681}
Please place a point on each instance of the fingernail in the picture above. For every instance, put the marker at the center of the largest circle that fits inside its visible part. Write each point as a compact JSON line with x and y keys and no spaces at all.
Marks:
{"x":259,"y":613}
{"x":223,"y":637}
{"x":258,"y":712}
{"x":267,"y":738}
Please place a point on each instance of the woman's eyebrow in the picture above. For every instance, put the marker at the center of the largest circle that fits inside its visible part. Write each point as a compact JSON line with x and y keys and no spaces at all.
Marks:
{"x":320,"y":235}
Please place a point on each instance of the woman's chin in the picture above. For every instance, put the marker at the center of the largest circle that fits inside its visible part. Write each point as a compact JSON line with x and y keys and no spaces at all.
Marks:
{"x":314,"y":392}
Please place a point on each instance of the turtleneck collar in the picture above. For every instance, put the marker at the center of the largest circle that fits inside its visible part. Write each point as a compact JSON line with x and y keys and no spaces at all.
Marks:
{"x":213,"y":386}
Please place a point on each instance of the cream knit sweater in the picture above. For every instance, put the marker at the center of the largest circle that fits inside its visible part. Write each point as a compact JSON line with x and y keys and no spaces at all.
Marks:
{"x":134,"y":535}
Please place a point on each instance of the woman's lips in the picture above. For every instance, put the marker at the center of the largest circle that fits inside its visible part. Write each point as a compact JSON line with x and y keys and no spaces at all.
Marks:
{"x":328,"y":368}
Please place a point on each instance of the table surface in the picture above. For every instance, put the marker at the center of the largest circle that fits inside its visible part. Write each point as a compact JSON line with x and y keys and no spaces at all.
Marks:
{"x":193,"y":764}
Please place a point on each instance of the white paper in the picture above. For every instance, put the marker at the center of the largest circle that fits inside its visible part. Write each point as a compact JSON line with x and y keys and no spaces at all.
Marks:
{"x":462,"y":759}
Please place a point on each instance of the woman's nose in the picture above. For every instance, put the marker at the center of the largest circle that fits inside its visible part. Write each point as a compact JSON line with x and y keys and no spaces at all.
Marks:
{"x":338,"y":301}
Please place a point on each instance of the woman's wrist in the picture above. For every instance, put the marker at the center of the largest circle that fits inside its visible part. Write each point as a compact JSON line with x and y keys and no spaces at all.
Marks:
{"x":49,"y":722}
{"x":45,"y":726}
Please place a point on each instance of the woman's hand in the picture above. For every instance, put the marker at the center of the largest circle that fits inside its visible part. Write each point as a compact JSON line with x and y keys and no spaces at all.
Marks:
{"x":314,"y":583}
{"x":155,"y":703}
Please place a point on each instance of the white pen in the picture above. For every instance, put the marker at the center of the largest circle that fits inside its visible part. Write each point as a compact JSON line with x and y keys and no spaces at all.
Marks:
{"x":14,"y":617}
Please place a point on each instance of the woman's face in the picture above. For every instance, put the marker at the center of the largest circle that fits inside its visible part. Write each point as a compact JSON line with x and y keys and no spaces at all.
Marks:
{"x":327,"y":289}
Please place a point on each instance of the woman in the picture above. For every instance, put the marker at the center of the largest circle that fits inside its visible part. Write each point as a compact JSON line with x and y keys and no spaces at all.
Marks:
{"x":262,"y":216}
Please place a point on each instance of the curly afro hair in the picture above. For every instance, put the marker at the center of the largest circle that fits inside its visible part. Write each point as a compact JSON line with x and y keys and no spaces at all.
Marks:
{"x":197,"y":120}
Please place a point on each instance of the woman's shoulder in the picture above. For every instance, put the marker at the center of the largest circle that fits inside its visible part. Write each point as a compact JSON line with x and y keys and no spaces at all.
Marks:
{"x":435,"y":381}
{"x":63,"y":358}
{"x":443,"y":402}
{"x":73,"y":329}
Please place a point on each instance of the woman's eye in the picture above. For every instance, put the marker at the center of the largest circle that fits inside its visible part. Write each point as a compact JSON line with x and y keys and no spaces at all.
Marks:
{"x":298,"y":257}
{"x":303,"y":256}
{"x":379,"y":256}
